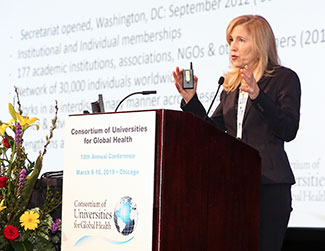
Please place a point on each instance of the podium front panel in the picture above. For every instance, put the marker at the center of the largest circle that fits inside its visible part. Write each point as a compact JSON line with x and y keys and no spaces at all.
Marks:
{"x":108,"y":181}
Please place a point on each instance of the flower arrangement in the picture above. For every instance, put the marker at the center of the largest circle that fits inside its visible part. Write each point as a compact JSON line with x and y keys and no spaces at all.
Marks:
{"x":23,"y":228}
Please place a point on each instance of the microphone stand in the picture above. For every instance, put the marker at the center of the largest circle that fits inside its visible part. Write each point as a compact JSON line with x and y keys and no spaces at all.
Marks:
{"x":134,"y":93}
{"x":220,"y":83}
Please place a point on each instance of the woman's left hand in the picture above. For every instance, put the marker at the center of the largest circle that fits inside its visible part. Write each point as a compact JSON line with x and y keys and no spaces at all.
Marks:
{"x":250,"y":84}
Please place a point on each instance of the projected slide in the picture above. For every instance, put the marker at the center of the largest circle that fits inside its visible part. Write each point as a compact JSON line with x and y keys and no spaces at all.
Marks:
{"x":72,"y":51}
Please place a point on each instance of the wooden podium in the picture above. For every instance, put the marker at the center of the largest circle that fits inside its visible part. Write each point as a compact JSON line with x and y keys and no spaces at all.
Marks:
{"x":157,"y":180}
{"x":207,"y":187}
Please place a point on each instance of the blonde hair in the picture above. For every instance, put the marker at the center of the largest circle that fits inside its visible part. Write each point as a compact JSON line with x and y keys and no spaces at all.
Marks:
{"x":263,"y":44}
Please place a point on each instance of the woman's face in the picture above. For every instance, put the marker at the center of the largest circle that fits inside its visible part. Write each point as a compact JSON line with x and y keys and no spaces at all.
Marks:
{"x":241,"y":48}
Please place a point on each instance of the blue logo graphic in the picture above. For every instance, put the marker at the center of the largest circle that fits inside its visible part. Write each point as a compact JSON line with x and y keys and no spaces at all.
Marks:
{"x":125,"y":215}
{"x":94,"y":239}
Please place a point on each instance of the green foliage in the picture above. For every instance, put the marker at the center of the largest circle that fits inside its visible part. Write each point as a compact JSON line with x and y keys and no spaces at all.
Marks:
{"x":52,"y":201}
{"x":18,"y":176}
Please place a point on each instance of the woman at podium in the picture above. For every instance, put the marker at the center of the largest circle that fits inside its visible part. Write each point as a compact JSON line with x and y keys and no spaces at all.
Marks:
{"x":259,"y":105}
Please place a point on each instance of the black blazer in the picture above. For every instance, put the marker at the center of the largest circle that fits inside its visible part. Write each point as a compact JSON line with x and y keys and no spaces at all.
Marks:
{"x":269,"y":120}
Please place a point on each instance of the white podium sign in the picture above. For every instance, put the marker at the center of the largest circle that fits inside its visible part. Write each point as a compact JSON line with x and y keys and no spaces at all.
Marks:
{"x":108,"y":181}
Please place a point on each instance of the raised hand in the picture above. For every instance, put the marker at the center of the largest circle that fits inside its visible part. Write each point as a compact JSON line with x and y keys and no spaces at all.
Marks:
{"x":249,"y":84}
{"x":187,"y":94}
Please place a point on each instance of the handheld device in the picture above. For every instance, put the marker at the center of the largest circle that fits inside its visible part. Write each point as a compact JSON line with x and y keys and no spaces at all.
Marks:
{"x":188,"y":79}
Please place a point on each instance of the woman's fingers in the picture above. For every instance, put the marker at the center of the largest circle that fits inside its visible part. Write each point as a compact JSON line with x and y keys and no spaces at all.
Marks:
{"x":248,"y":75}
{"x":187,"y":94}
{"x":250,"y":84}
{"x":178,"y":77}
{"x":177,"y":74}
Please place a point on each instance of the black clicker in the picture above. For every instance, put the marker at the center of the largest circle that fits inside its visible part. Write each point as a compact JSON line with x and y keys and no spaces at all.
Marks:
{"x":188,"y":78}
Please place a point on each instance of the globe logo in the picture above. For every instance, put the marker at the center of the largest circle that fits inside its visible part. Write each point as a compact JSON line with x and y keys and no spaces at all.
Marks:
{"x":125,"y":215}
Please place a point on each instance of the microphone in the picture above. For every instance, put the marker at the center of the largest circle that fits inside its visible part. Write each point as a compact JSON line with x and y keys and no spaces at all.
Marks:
{"x":220,"y":83}
{"x":134,"y":93}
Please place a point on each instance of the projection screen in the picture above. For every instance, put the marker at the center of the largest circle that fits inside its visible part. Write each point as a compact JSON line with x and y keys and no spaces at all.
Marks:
{"x":72,"y":51}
